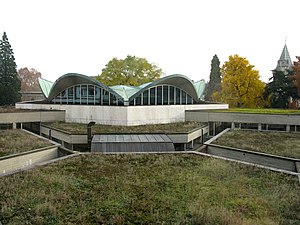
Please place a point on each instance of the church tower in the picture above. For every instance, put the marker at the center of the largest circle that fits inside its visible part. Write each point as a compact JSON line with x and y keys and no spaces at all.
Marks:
{"x":284,"y":63}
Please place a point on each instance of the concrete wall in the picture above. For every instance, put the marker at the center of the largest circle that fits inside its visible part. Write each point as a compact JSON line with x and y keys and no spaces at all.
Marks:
{"x":23,"y":117}
{"x":277,"y":162}
{"x":122,"y":115}
{"x":258,"y":158}
{"x":23,"y":160}
{"x":64,"y":136}
{"x":185,"y":138}
{"x":82,"y":138}
{"x":284,"y":119}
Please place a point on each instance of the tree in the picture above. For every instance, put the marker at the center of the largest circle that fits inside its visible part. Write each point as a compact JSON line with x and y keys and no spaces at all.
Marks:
{"x":241,"y":86}
{"x":132,"y":71}
{"x":29,"y":79}
{"x":9,"y":83}
{"x":296,"y":76}
{"x":280,"y":90}
{"x":214,"y":84}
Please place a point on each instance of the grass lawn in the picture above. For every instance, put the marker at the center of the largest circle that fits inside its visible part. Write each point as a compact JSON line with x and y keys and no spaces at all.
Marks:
{"x":76,"y":128}
{"x":149,"y":189}
{"x":268,"y":111}
{"x":276,"y":143}
{"x":16,"y":141}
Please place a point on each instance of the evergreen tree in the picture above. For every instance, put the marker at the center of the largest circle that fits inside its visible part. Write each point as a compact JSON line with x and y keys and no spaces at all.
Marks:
{"x":214,"y":84}
{"x":281,"y":89}
{"x":10,"y":84}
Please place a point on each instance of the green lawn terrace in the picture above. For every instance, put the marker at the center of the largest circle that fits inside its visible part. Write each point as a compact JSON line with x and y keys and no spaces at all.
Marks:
{"x":276,"y":143}
{"x":18,"y":141}
{"x":149,"y":189}
{"x":76,"y":128}
{"x":258,"y":110}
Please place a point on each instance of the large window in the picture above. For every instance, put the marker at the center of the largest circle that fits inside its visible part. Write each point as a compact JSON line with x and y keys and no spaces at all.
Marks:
{"x":171,"y":95}
{"x":146,"y":97}
{"x":159,"y":95}
{"x":178,"y":96}
{"x":87,"y":94}
{"x":152,"y":96}
{"x":162,"y":95}
{"x":165,"y":95}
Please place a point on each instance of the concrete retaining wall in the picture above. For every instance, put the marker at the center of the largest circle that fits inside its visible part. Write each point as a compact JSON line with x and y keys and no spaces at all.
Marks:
{"x":22,"y":160}
{"x":201,"y":116}
{"x":259,"y":158}
{"x":278,"y":162}
{"x":63,"y":136}
{"x":124,"y":115}
{"x":24,"y":117}
{"x":74,"y":139}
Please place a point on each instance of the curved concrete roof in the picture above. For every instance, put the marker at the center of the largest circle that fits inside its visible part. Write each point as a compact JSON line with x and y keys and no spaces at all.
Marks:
{"x":45,"y":86}
{"x":123,"y":92}
{"x":200,"y":87}
{"x":72,"y":79}
{"x":176,"y":80}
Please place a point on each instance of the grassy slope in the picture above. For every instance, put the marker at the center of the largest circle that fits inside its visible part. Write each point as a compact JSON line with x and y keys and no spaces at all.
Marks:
{"x":77,"y":128}
{"x":149,"y":189}
{"x":16,"y":141}
{"x":277,"y":143}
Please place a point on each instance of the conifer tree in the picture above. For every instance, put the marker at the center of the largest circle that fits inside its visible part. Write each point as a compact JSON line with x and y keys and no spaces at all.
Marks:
{"x":9,"y":82}
{"x":214,"y":83}
{"x":280,"y":90}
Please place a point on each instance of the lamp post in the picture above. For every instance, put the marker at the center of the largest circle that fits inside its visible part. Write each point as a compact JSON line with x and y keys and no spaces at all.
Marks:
{"x":89,"y":134}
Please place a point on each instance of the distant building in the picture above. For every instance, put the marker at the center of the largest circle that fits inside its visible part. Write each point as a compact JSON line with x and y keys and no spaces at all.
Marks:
{"x":284,"y":63}
{"x":32,"y":95}
{"x":85,"y":99}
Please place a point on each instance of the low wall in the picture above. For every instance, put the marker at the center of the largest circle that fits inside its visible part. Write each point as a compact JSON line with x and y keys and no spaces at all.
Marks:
{"x":258,"y":158}
{"x":188,"y":137}
{"x":255,"y":118}
{"x":282,"y":163}
{"x":124,"y":115}
{"x":22,"y":160}
{"x":40,"y":116}
{"x":73,"y":139}
{"x":63,"y":135}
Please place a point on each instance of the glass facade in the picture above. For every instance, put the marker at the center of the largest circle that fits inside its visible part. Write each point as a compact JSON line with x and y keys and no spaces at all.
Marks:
{"x":87,"y":95}
{"x":162,"y":95}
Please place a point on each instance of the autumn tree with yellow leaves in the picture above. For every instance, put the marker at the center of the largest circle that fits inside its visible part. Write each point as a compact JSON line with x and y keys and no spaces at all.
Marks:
{"x":241,"y":84}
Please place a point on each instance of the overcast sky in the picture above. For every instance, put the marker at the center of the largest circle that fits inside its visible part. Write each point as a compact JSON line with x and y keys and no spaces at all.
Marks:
{"x":62,"y":36}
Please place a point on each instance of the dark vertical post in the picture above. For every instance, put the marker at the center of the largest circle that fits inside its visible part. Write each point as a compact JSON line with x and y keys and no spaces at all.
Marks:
{"x":89,"y":134}
{"x":202,"y":138}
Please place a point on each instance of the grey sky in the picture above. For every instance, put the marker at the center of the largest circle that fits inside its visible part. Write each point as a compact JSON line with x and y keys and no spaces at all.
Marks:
{"x":57,"y":37}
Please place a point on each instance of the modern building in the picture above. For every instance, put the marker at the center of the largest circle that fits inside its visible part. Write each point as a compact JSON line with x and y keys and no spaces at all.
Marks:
{"x":85,"y":99}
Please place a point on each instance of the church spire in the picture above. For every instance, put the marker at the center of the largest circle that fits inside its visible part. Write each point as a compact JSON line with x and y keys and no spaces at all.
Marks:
{"x":284,"y":63}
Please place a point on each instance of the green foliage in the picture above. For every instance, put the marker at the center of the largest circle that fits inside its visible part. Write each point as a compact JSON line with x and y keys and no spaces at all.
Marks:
{"x":214,"y":84}
{"x":10,"y":85}
{"x":241,"y":84}
{"x":132,"y":71}
{"x":280,"y":89}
